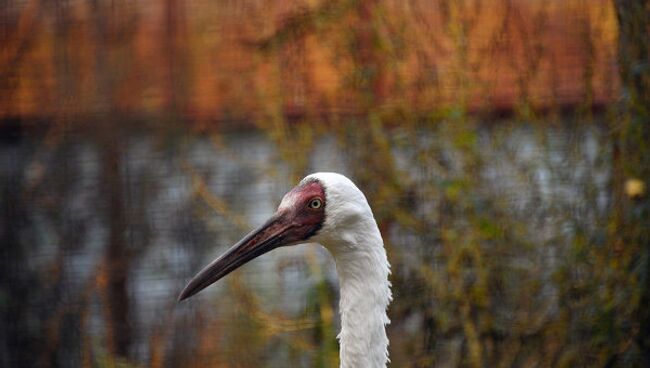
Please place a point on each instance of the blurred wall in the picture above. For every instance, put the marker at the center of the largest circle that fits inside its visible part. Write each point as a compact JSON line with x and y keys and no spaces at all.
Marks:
{"x":240,"y":60}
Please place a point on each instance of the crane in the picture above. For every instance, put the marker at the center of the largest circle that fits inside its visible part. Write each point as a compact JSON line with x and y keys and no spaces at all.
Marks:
{"x":329,"y":209}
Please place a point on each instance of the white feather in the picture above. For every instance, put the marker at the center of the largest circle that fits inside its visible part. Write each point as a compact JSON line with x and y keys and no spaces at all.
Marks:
{"x":351,"y":234}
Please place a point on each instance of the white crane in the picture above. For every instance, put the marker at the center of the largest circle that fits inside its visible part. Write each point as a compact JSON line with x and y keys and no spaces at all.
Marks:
{"x":327,"y":208}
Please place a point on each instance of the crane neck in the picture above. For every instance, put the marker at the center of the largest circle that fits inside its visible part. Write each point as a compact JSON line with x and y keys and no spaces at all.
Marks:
{"x":363,"y":270}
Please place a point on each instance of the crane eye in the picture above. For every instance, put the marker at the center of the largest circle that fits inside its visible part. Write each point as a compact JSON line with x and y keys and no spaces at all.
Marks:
{"x":315,"y":203}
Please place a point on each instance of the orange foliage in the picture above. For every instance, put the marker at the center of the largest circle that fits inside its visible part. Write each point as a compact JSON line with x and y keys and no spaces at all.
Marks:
{"x":203,"y":60}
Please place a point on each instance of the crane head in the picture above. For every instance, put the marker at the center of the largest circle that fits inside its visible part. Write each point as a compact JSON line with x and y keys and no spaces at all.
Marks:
{"x":299,"y":217}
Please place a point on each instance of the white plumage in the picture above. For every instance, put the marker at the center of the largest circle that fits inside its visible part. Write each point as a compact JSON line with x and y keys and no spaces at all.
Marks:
{"x":329,"y":209}
{"x":351,"y":234}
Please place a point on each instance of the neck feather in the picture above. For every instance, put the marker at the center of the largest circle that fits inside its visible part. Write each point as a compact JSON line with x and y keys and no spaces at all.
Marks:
{"x":363,"y":270}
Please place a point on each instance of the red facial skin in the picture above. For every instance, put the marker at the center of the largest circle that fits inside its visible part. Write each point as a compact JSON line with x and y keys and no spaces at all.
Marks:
{"x":306,"y":221}
{"x":297,"y":219}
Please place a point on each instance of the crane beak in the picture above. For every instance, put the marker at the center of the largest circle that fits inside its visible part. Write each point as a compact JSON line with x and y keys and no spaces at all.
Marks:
{"x":276,"y":232}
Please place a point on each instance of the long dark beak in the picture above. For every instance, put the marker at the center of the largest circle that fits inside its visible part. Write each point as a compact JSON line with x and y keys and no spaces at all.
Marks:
{"x":273,"y":234}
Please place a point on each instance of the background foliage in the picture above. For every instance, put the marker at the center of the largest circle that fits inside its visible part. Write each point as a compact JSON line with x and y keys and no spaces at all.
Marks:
{"x":501,"y":144}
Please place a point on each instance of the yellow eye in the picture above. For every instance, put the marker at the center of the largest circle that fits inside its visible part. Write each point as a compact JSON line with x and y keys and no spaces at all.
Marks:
{"x":315,"y":203}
